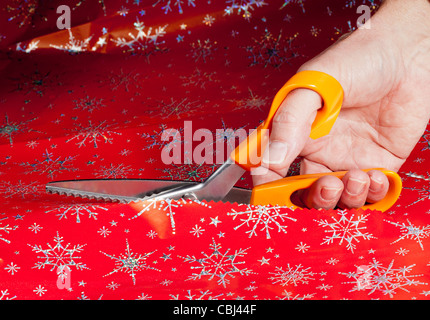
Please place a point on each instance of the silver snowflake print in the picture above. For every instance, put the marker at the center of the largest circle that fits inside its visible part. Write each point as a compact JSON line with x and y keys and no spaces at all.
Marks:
{"x":50,"y":165}
{"x":203,"y":50}
{"x":167,"y":5}
{"x":11,"y":128}
{"x":223,"y":136}
{"x":4,"y":228}
{"x":425,"y":139}
{"x":243,"y":7}
{"x":121,"y":79}
{"x":200,"y":295}
{"x":412,"y":232}
{"x":88,"y":104}
{"x":114,"y":171}
{"x":77,"y":210}
{"x":74,"y":45}
{"x":168,"y":206}
{"x":293,"y":275}
{"x":4,"y":295}
{"x":199,"y":79}
{"x":423,"y":190}
{"x":93,"y":134}
{"x":145,"y":42}
{"x":188,"y":172}
{"x":345,"y":229}
{"x":155,"y":140}
{"x":34,"y":81}
{"x":58,"y":255}
{"x":262,"y":218}
{"x":252,"y":102}
{"x":19,"y":189}
{"x":286,"y":295}
{"x":176,"y":108}
{"x":387,"y":280}
{"x":271,"y":50}
{"x":216,"y":264}
{"x":130,"y":262}
{"x":299,"y":2}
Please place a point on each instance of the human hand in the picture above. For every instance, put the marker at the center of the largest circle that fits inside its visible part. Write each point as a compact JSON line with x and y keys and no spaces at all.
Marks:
{"x":385,"y":74}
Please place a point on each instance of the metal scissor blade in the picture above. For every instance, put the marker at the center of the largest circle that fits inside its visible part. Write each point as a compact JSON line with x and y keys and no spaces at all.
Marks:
{"x":133,"y":190}
{"x":219,"y":184}
{"x":123,"y":190}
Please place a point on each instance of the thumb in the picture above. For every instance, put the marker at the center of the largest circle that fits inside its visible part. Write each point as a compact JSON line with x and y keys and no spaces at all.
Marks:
{"x":291,"y":127}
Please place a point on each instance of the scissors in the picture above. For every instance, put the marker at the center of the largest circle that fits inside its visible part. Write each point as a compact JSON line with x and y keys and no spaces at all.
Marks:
{"x":220,"y":185}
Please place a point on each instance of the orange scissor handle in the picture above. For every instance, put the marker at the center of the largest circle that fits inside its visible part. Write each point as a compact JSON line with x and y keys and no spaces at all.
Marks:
{"x":279,"y":192}
{"x":249,"y":153}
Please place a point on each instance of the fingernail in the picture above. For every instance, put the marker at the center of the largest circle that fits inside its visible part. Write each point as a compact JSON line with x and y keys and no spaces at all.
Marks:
{"x":330,"y":193}
{"x":376,"y":185}
{"x":259,"y":171}
{"x":355,"y":186}
{"x":275,"y":153}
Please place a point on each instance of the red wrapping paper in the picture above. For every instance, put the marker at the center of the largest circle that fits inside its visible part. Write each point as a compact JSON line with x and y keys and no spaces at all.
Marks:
{"x":93,"y":101}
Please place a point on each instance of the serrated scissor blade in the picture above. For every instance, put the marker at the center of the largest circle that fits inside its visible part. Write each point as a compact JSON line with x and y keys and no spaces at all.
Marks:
{"x":133,"y":190}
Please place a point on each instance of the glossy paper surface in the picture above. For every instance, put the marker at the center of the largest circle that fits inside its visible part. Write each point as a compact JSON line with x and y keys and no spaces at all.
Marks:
{"x":93,"y":101}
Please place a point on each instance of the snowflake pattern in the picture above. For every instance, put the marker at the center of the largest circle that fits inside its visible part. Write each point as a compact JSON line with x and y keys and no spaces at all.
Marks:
{"x":35,"y":81}
{"x":35,"y":228}
{"x":11,"y":128}
{"x":202,"y":50}
{"x":77,"y":210}
{"x":58,"y":255}
{"x":114,"y":171}
{"x":12,"y":268}
{"x":252,"y":102}
{"x":412,"y":232}
{"x":19,"y":12}
{"x":168,"y":206}
{"x":74,"y":45}
{"x":293,"y":275}
{"x":345,"y":229}
{"x":121,"y":79}
{"x":167,"y":5}
{"x":197,"y":231}
{"x":88,"y":104}
{"x":19,"y":189}
{"x":384,"y":279}
{"x":243,"y":7}
{"x":130,"y":262}
{"x":272,"y":50}
{"x":176,"y":108}
{"x":4,"y":295}
{"x":188,"y":172}
{"x":215,"y":264}
{"x":286,"y":295}
{"x":201,"y":295}
{"x":199,"y":79}
{"x":262,"y":218}
{"x":301,"y":4}
{"x":425,"y":140}
{"x":145,"y":42}
{"x":50,"y":165}
{"x":33,"y":45}
{"x":40,"y":290}
{"x":423,"y":191}
{"x":94,"y":107}
{"x":154,"y":139}
{"x":4,"y":228}
{"x":93,"y":134}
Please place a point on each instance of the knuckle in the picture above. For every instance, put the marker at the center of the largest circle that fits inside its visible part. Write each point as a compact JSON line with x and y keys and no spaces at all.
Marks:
{"x":285,"y":117}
